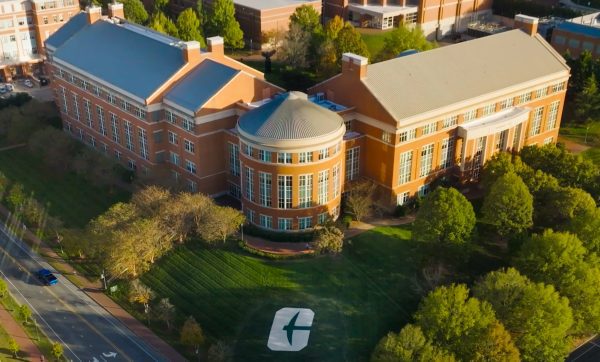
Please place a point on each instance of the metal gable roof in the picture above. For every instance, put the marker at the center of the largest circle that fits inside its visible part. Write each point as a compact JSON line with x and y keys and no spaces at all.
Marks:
{"x":66,"y":31}
{"x":129,"y":60}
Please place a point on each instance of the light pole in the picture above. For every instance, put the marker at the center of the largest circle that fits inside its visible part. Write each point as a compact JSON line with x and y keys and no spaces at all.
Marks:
{"x":103,"y":277}
{"x":586,"y":133}
{"x":242,"y":228}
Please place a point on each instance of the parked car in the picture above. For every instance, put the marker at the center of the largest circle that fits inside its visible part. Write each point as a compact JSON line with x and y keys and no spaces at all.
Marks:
{"x":3,"y":89}
{"x":28,"y":83}
{"x":46,"y":277}
{"x":43,"y":81}
{"x":9,"y":87}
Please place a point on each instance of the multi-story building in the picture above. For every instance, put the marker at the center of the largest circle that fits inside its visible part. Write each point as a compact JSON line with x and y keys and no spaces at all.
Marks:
{"x":24,"y":26}
{"x":577,"y":35}
{"x":437,"y":18}
{"x":218,"y":126}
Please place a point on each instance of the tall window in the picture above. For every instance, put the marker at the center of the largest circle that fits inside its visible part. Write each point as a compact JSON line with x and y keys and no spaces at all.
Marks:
{"x":249,"y":187}
{"x":501,"y":138}
{"x":284,"y":157}
{"x":264,"y":188}
{"x":285,"y":223}
{"x":305,"y":183}
{"x":63,"y":93}
{"x":478,"y":157}
{"x":101,"y":123}
{"x":143,"y":140}
{"x":173,"y":139}
{"x":266,"y":221}
{"x":128,"y":136}
{"x":190,"y":166}
{"x":335,"y":171}
{"x":405,"y":167}
{"x":189,"y":146}
{"x":234,"y":159}
{"x":426,"y":160}
{"x":323,"y":153}
{"x":264,"y":156}
{"x":352,"y":163}
{"x":552,"y":115}
{"x":305,"y":157}
{"x":323,"y":187}
{"x":517,"y":137}
{"x":403,"y":198}
{"x":447,"y":153}
{"x":88,"y":111}
{"x":174,"y":158}
{"x":115,"y":128}
{"x":536,"y":122}
{"x":170,"y":117}
{"x":75,"y":106}
{"x":187,"y":124}
{"x":285,"y":192}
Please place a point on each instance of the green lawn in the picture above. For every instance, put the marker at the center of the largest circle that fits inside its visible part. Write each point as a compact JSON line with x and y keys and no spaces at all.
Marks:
{"x":374,"y":41}
{"x":71,"y":198}
{"x":357,"y":297}
{"x":5,"y":354}
{"x":577,"y":133}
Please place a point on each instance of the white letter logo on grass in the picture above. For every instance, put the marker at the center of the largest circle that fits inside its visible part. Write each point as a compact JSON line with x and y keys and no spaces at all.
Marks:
{"x":290,"y":329}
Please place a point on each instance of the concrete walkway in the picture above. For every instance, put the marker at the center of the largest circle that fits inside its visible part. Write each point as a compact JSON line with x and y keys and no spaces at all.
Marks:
{"x":13,"y":328}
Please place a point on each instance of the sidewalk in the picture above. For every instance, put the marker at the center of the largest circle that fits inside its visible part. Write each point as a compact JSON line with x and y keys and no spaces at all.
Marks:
{"x":94,"y":290}
{"x":14,"y":329}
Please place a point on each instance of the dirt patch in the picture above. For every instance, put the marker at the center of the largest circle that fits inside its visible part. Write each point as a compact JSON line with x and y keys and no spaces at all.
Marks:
{"x":573,"y":146}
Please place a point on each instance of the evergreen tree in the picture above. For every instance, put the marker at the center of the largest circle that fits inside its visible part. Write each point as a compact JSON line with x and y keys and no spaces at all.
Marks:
{"x":349,"y":40}
{"x":221,"y":21}
{"x":135,"y":11}
{"x":587,"y":101}
{"x":188,"y":26}
{"x":401,"y":39}
{"x":161,"y":23}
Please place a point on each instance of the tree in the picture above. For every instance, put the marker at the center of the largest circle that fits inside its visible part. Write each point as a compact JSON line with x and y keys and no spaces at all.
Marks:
{"x":135,"y":11}
{"x":560,"y":259}
{"x":587,"y":227}
{"x":200,"y":12}
{"x":24,"y":313}
{"x":221,"y":21}
{"x":188,"y":26}
{"x":402,"y":38}
{"x":359,"y":199}
{"x":185,"y":214}
{"x":463,"y":325}
{"x":587,"y":101}
{"x":4,"y":182}
{"x":220,"y":223}
{"x":560,"y":206}
{"x":160,"y":5}
{"x":16,"y":196}
{"x":328,"y":239}
{"x":54,"y":147}
{"x":409,"y":345}
{"x":13,"y":347}
{"x":294,"y":51}
{"x":57,"y":351}
{"x":333,"y":27}
{"x":499,"y":165}
{"x":508,"y":206}
{"x":220,"y":352}
{"x":445,"y":217}
{"x":3,"y":288}
{"x":140,"y":293}
{"x":537,"y":317}
{"x":306,"y":17}
{"x":165,"y":311}
{"x":161,"y":23}
{"x":150,"y":201}
{"x":349,"y":40}
{"x":191,"y":334}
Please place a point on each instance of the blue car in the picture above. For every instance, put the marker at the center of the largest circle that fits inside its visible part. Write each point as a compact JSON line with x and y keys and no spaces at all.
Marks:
{"x":46,"y":277}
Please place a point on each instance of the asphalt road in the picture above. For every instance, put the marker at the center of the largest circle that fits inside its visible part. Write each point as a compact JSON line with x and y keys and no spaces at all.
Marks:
{"x":589,"y":352}
{"x":67,"y":314}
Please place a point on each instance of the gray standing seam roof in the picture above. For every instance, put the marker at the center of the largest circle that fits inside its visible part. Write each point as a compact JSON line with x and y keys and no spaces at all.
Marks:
{"x":133,"y":62}
{"x":201,"y":84}
{"x":288,"y":117}
{"x":66,"y":31}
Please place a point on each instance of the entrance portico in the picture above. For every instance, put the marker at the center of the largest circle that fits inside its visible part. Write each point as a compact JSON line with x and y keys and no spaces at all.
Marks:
{"x":382,"y":16}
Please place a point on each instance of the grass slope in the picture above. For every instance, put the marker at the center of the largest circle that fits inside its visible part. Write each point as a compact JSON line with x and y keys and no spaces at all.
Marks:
{"x":71,"y":198}
{"x":356,"y":297}
{"x":373,"y":40}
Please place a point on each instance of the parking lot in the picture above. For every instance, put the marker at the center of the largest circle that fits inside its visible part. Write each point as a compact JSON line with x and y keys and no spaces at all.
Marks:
{"x":40,"y":93}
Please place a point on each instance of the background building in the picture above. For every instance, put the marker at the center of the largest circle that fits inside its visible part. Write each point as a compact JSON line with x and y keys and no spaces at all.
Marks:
{"x":24,"y":26}
{"x":578,"y":34}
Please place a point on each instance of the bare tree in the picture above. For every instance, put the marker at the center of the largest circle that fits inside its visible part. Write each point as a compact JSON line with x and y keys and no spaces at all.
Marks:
{"x":220,"y":223}
{"x":165,"y":311}
{"x":140,"y":293}
{"x":360,"y":199}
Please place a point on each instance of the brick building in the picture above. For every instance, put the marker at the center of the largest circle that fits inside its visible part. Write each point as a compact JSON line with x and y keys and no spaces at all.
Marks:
{"x":578,"y":34}
{"x":219,"y":127}
{"x":437,"y":18}
{"x":24,"y":26}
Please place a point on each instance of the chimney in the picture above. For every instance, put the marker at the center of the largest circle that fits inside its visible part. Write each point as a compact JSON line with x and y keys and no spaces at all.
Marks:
{"x":216,"y":45}
{"x":191,"y":51}
{"x":115,"y":10}
{"x":528,"y":24}
{"x":94,"y":13}
{"x":354,"y":65}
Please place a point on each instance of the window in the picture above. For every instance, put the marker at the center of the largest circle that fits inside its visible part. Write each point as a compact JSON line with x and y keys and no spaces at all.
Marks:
{"x":507,"y":103}
{"x":285,"y":224}
{"x":174,"y":158}
{"x":501,"y":138}
{"x":426,"y":160}
{"x":285,"y":192}
{"x":140,"y":113}
{"x":405,"y":167}
{"x":264,"y":189}
{"x":408,"y":135}
{"x":305,"y":157}
{"x":403,"y":198}
{"x":322,"y":218}
{"x":335,"y":171}
{"x":235,"y":191}
{"x":548,"y":140}
{"x":249,"y":183}
{"x":517,"y":137}
{"x":447,"y":153}
{"x":192,"y":186}
{"x":187,"y":124}
{"x":478,"y":157}
{"x":573,"y":43}
{"x":143,"y":140}
{"x":111,"y":98}
{"x":173,"y":138}
{"x":304,"y":223}
{"x":386,"y":137}
{"x":429,"y":129}
{"x":170,"y":117}
{"x":250,"y":215}
{"x":75,"y":106}
{"x":352,"y":163}
{"x":117,"y":155}
{"x":101,"y":122}
{"x":189,"y":146}
{"x":104,"y":148}
{"x":536,"y":121}
{"x":552,"y":115}
{"x":337,"y":148}
{"x":115,"y":128}
{"x":266,"y":221}
{"x":470,"y":115}
{"x":424,"y":190}
{"x":234,"y":160}
{"x":190,"y":166}
{"x":489,"y":109}
{"x":450,"y":121}
{"x":323,"y":153}
{"x":248,"y":150}
{"x":64,"y":99}
{"x":264,"y":156}
{"x":131,"y":164}
{"x":323,"y":187}
{"x":558,"y":87}
{"x":305,"y":183}
{"x":542,"y":92}
{"x":284,"y":157}
{"x":525,"y":97}
{"x":128,"y":136}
